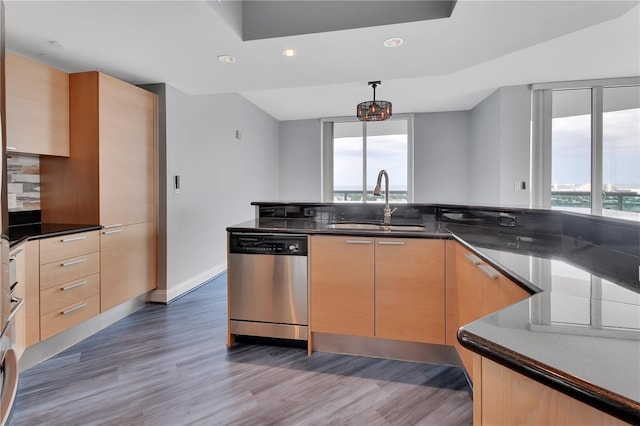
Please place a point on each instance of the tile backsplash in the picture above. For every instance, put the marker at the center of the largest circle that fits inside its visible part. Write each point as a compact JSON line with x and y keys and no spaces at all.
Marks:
{"x":23,"y":182}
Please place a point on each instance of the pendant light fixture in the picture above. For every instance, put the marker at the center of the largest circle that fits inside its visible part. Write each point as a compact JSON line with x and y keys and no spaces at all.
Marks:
{"x":374,"y":110}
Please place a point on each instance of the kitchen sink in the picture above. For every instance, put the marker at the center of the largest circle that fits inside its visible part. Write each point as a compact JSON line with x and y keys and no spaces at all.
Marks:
{"x":376,"y":227}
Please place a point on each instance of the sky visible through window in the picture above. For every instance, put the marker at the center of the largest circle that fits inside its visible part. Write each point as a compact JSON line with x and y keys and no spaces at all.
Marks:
{"x":387,"y":152}
{"x":571,"y":165}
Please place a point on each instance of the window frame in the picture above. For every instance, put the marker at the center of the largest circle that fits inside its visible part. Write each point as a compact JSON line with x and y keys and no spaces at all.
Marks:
{"x":327,"y":155}
{"x":541,"y":137}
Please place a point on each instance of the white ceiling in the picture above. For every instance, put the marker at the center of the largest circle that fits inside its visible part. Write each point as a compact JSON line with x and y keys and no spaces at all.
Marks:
{"x":443,"y":65}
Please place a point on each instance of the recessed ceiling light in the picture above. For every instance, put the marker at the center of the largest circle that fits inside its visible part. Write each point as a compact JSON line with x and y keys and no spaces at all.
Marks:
{"x":289,"y":52}
{"x":393,"y":42}
{"x":227,"y":59}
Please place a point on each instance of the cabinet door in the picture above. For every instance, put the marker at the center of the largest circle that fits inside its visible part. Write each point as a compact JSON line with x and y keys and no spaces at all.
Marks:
{"x":469,"y":282}
{"x":481,"y":291}
{"x":341,"y":281}
{"x":498,"y":291}
{"x":127,"y":263}
{"x":409,"y":290}
{"x":37,"y":98}
{"x":32,"y":292}
{"x":127,"y":152}
{"x":504,"y":397}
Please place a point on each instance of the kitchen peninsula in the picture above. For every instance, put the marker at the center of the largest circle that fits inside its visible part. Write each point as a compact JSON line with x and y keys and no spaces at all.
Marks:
{"x":569,"y":348}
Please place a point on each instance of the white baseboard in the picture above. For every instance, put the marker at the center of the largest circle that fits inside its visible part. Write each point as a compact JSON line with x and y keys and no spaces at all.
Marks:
{"x":177,"y":290}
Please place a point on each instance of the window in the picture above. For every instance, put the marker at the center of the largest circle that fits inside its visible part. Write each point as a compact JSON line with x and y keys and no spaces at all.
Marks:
{"x":586,"y":137}
{"x":354,"y":153}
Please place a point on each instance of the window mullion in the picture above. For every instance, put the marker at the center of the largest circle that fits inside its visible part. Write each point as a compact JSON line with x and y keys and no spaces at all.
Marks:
{"x":596,"y":150}
{"x":541,"y":151}
{"x":364,"y":162}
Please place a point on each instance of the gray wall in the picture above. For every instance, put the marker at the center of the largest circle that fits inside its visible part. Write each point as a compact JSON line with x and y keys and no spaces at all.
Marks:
{"x":220,"y":177}
{"x":515,"y":147}
{"x":441,"y":159}
{"x":460,"y":157}
{"x":300,"y":164}
{"x":500,"y":147}
{"x":484,"y":152}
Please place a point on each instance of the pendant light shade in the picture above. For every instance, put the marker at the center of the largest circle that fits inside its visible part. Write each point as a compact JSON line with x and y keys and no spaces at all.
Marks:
{"x":374,"y":110}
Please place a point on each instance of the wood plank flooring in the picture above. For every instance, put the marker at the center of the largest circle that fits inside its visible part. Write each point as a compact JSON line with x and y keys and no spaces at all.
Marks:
{"x":168,"y":365}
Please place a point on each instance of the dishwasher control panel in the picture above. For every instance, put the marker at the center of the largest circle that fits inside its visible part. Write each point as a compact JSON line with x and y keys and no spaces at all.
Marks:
{"x":273,"y":244}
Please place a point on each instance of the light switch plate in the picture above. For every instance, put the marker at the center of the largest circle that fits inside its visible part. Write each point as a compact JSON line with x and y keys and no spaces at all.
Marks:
{"x":176,"y":184}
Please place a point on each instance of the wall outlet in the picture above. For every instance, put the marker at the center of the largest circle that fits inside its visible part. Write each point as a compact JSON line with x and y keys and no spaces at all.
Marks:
{"x":238,"y":134}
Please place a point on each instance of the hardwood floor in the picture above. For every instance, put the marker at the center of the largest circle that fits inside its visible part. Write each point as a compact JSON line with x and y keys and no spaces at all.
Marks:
{"x":168,"y":365}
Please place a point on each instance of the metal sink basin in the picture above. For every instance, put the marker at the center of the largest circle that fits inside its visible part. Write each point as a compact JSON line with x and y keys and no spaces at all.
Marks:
{"x":375,"y":227}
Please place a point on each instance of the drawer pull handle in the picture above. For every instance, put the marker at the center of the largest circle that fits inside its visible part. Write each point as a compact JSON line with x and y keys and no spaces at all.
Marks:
{"x":358,"y":242}
{"x":12,"y":148}
{"x":113,"y":225}
{"x":68,"y":240}
{"x":391,"y":243}
{"x":72,"y":286}
{"x":73,"y":309}
{"x":74,"y":262}
{"x":113,"y":231}
{"x":473,"y":259}
{"x":489,"y":272}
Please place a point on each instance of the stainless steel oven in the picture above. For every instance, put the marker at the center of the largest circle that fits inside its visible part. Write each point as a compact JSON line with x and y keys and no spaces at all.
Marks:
{"x":267,"y":285}
{"x":8,"y":356}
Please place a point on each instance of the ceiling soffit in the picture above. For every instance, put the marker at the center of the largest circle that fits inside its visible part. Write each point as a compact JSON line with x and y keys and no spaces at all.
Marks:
{"x":256,"y":20}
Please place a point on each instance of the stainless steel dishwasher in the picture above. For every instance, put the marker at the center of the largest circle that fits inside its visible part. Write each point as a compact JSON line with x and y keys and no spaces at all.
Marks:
{"x":267,"y":285}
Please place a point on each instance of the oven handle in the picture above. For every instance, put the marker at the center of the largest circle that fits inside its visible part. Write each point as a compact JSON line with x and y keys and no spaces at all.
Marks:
{"x":10,"y":385}
{"x":15,"y":309}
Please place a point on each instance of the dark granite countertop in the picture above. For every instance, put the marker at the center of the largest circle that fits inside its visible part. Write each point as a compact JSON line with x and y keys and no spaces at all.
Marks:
{"x":305,"y":226}
{"x":579,"y":333}
{"x":33,"y":231}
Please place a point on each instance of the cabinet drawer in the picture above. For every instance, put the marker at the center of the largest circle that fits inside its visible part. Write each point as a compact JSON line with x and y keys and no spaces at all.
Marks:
{"x":69,"y":269}
{"x":71,"y":245}
{"x":59,"y":320}
{"x":57,"y":297}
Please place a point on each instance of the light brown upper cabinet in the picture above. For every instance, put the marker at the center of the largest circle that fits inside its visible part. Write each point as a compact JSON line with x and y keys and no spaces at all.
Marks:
{"x":109,"y":178}
{"x":37,"y":98}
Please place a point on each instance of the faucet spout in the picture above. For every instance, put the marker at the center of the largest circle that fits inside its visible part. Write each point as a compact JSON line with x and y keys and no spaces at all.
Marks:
{"x":387,"y":210}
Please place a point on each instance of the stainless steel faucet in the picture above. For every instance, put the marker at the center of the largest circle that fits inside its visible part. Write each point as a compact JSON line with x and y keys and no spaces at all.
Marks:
{"x":387,"y":210}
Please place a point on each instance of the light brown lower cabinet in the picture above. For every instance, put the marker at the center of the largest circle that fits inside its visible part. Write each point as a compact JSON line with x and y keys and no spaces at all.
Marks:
{"x":391,"y":288}
{"x":502,"y":396}
{"x":481,"y":290}
{"x":69,"y":281}
{"x":409,"y":289}
{"x":341,"y":283}
{"x":59,"y":320}
{"x":127,"y":263}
